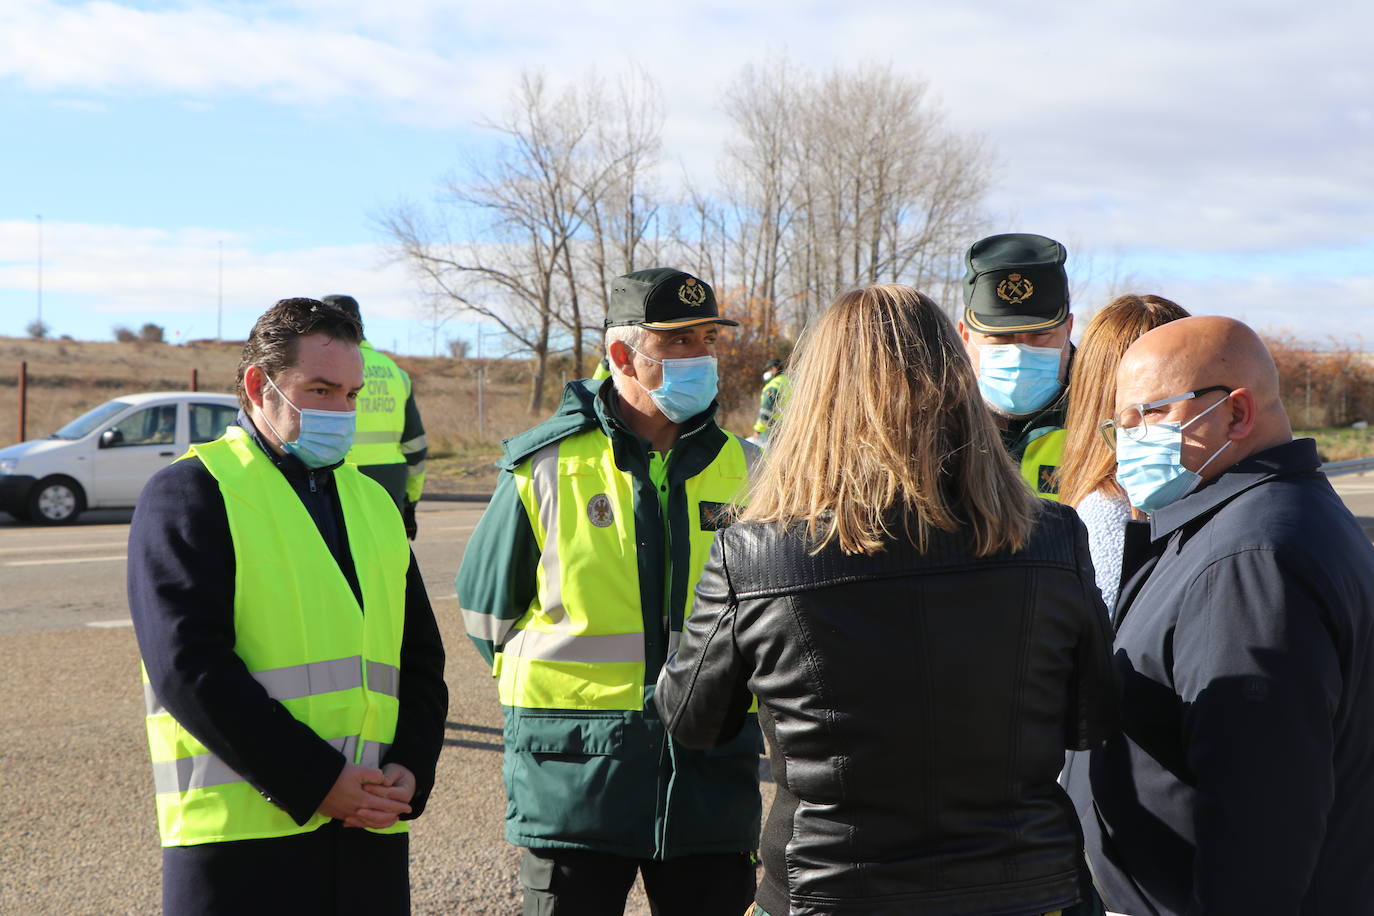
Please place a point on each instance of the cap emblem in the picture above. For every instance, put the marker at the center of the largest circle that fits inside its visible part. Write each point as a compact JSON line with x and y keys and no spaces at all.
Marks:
{"x":599,"y":511}
{"x":691,"y":292}
{"x":1015,"y":289}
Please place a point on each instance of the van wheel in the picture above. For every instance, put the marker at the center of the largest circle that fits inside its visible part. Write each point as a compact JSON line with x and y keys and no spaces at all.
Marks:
{"x":56,"y":501}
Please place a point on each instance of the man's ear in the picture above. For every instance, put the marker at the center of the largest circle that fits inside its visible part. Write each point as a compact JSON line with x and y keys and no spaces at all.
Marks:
{"x":253,"y":385}
{"x":1244,"y":411}
{"x":621,"y":357}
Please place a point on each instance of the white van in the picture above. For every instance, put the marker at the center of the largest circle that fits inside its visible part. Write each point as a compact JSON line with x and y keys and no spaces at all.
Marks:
{"x":102,"y":459}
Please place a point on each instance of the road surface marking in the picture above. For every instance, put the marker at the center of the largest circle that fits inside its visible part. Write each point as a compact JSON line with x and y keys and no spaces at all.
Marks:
{"x":34,"y":548}
{"x":122,"y":556}
{"x":110,"y":624}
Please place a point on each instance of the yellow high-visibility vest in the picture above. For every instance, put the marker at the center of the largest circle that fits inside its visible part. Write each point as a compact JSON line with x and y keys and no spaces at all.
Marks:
{"x":301,"y":634}
{"x":581,"y":644}
{"x":381,"y":410}
{"x":1040,"y":463}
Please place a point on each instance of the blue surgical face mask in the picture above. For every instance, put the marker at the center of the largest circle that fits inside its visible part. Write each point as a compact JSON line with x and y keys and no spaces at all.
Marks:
{"x":324,"y":437}
{"x":689,"y":386}
{"x":1018,"y":379}
{"x":1150,"y":469}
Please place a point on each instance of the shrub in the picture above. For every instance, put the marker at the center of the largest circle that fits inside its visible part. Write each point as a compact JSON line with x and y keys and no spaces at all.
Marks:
{"x":123,"y":334}
{"x":150,"y":333}
{"x":37,"y":329}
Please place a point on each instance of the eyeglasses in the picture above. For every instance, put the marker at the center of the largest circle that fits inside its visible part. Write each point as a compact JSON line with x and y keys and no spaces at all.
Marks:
{"x":1131,"y":420}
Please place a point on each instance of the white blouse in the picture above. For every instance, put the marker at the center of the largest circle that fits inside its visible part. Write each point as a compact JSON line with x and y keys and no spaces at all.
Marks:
{"x":1105,"y":516}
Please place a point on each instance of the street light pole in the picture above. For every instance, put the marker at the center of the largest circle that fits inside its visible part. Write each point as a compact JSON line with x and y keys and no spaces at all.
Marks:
{"x":219,"y":306}
{"x":40,"y":268}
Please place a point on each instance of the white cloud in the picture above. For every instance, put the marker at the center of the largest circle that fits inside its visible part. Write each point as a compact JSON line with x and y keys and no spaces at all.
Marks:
{"x":130,"y":274}
{"x":1158,"y":124}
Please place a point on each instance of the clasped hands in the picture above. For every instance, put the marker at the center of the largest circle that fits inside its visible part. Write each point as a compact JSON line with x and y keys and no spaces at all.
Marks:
{"x":369,"y":797}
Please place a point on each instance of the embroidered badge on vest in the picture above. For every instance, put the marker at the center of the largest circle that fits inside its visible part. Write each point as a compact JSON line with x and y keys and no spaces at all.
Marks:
{"x":1049,"y":479}
{"x":599,"y":511}
{"x":715,"y":516}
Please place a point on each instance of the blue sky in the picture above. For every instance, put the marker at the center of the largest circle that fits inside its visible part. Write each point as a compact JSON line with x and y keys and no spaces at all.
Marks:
{"x":1222,"y":156}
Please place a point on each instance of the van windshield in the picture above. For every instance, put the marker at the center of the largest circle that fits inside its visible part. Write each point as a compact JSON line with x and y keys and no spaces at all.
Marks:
{"x":96,"y":417}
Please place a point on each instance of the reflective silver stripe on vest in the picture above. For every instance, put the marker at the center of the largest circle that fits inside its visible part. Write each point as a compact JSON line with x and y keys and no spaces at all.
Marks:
{"x":416,"y":469}
{"x":374,"y":437}
{"x":189,"y":773}
{"x":151,"y":704}
{"x":567,"y":647}
{"x":373,"y":752}
{"x":205,"y":770}
{"x":295,"y":681}
{"x":544,"y":471}
{"x":485,"y":626}
{"x":382,"y":678}
{"x":414,"y":445}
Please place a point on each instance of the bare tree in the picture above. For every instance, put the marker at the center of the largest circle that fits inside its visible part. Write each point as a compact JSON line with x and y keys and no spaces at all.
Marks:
{"x":526,"y":237}
{"x":847,"y":178}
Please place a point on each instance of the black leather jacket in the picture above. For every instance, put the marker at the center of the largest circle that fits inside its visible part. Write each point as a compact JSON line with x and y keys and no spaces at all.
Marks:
{"x":917,"y":707}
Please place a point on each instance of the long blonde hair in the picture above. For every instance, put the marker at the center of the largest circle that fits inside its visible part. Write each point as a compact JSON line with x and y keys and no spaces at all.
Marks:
{"x":1088,"y":465}
{"x":885,"y":415}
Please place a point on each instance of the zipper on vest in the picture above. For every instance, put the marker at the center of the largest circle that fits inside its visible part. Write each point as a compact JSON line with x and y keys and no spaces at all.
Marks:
{"x":311,"y":475}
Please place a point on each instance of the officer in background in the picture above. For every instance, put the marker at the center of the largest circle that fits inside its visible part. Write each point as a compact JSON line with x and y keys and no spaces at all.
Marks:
{"x":777,"y":385}
{"x":1016,"y":330}
{"x":575,"y":586}
{"x":389,"y":445}
{"x":294,"y":675}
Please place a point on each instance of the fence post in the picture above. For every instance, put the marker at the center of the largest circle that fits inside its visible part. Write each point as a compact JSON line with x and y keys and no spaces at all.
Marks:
{"x":23,"y":400}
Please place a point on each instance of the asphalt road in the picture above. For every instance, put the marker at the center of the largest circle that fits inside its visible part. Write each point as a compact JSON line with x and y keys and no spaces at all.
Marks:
{"x":79,"y":837}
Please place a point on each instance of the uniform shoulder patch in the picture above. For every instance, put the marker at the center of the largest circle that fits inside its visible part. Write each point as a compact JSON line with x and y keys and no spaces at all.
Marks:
{"x":1049,"y":479}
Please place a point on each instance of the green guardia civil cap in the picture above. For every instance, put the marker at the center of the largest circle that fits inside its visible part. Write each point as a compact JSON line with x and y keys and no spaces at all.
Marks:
{"x":662,"y":299}
{"x":1015,"y":284}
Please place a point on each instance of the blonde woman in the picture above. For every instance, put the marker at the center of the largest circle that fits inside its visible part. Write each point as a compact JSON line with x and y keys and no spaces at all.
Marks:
{"x":1087,"y":473}
{"x":922,"y":634}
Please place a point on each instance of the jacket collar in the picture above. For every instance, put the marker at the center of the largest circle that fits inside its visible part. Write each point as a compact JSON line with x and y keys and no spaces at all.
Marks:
{"x":1295,"y":457}
{"x":586,"y":404}
{"x":288,"y":464}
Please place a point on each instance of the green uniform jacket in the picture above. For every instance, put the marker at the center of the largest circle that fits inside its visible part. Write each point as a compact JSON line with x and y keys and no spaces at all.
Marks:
{"x":610,"y":780}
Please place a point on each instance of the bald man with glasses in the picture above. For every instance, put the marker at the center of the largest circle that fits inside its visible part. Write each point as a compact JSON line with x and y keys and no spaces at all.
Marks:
{"x":1240,"y":782}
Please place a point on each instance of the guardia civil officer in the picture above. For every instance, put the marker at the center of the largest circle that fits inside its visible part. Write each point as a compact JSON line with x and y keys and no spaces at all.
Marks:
{"x":293,"y":668}
{"x":389,"y":445}
{"x":1016,"y":330}
{"x":575,"y":586}
{"x":777,"y":384}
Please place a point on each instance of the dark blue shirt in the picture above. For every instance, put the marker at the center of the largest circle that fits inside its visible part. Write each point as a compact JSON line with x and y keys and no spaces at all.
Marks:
{"x":1243,"y":780}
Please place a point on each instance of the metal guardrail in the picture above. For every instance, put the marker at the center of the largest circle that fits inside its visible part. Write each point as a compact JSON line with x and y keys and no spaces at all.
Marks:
{"x":1353,"y":466}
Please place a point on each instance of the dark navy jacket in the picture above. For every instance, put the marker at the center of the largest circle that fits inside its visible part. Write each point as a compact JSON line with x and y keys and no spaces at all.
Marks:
{"x":181,"y":598}
{"x":1243,"y":781}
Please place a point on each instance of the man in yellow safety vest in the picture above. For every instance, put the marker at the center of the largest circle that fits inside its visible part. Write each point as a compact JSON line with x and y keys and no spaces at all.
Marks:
{"x":389,"y":445}
{"x":1016,"y":328}
{"x":293,"y":671}
{"x":575,"y":586}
